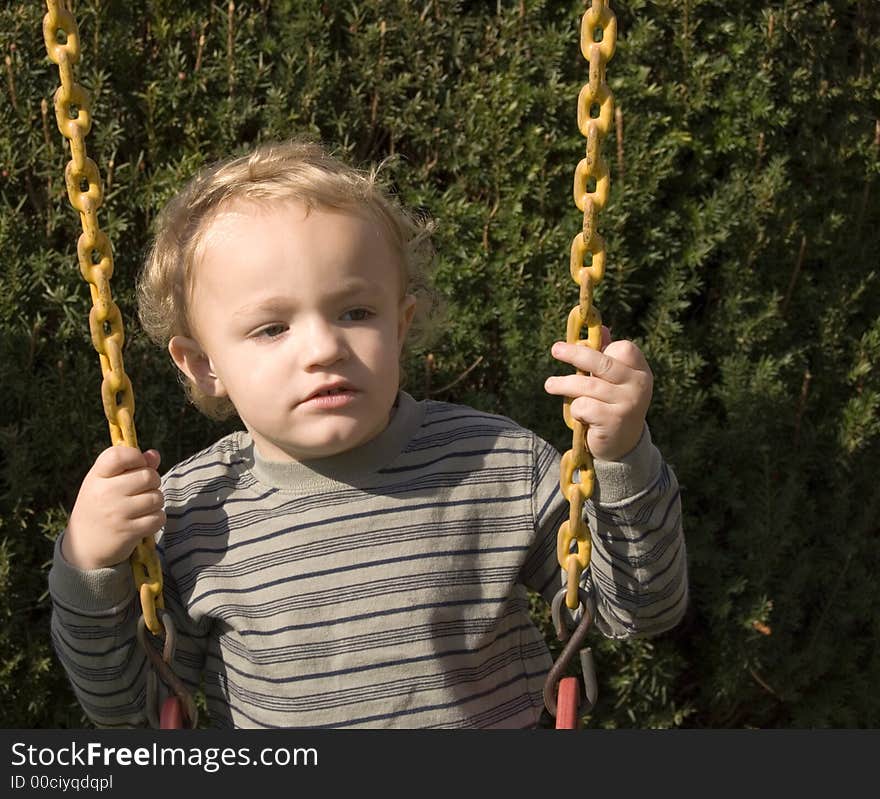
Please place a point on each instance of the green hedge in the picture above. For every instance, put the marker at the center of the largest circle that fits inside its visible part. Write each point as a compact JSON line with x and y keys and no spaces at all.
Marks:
{"x":743,"y":258}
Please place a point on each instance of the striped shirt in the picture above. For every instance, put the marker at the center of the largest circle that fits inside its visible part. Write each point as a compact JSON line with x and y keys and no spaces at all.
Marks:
{"x":384,"y":587}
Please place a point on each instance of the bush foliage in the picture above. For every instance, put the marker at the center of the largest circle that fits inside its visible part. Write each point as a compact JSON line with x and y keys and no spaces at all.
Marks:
{"x":743,"y":259}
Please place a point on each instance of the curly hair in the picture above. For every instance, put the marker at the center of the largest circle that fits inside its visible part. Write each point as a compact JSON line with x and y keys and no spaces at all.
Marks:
{"x":294,"y":170}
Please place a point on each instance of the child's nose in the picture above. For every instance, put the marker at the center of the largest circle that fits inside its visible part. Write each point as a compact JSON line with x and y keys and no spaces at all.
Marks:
{"x":324,"y":343}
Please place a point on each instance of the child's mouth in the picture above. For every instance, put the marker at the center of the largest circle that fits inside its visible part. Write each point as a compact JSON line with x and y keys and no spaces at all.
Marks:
{"x":331,"y":398}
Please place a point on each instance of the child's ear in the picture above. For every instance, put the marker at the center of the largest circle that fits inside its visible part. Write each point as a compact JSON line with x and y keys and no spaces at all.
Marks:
{"x":196,"y":365}
{"x":404,"y":320}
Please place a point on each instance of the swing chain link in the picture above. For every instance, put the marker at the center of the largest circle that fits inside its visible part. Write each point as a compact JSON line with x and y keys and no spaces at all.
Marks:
{"x":85,"y":191}
{"x":595,"y":110}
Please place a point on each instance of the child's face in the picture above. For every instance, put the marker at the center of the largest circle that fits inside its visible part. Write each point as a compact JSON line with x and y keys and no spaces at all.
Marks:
{"x":301,"y":318}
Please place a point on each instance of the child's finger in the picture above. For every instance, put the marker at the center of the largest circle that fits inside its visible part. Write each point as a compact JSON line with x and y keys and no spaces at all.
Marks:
{"x":589,"y":360}
{"x":581,"y":386}
{"x":606,"y":337}
{"x":138,"y":481}
{"x":117,"y":460}
{"x":590,"y":411}
{"x":153,"y":458}
{"x":149,"y":503}
{"x":144,"y":526}
{"x":628,"y":354}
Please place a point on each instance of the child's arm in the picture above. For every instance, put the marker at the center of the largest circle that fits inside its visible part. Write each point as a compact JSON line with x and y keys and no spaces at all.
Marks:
{"x":95,"y":605}
{"x":638,"y":568}
{"x":637,"y":579}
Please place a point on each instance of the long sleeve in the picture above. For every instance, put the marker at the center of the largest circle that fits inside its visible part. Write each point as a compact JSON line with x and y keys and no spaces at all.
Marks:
{"x":94,"y":633}
{"x":637,"y":580}
{"x":638,"y":568}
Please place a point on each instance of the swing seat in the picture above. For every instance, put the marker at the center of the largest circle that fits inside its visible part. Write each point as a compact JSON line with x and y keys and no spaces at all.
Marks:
{"x":567,"y":702}
{"x":171,"y":717}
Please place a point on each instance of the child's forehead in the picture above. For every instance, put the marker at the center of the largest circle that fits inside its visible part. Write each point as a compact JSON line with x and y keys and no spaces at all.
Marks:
{"x":237,"y":222}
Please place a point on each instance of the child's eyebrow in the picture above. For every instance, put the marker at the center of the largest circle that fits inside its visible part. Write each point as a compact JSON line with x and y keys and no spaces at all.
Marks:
{"x":270,"y":305}
{"x":279,"y":303}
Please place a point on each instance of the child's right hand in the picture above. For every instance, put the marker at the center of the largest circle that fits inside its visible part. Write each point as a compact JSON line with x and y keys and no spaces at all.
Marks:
{"x":118,"y":504}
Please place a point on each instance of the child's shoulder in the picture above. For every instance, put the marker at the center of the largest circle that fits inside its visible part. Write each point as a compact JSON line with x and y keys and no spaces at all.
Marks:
{"x":444,"y":421}
{"x":454,"y":425}
{"x":225,"y":459}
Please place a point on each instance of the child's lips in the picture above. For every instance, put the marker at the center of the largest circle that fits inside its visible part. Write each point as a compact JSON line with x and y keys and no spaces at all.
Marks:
{"x":331,"y":400}
{"x":331,"y":395}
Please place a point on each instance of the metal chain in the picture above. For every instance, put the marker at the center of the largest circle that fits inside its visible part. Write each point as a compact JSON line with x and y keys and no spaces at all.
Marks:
{"x":86,"y":194}
{"x":595,"y":110}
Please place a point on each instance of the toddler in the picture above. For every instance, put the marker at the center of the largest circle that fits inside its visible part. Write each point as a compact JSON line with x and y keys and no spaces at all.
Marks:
{"x":352,"y":557}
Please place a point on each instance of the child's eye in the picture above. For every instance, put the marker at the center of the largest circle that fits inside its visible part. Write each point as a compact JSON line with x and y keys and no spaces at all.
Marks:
{"x":270,"y":331}
{"x":357,"y":315}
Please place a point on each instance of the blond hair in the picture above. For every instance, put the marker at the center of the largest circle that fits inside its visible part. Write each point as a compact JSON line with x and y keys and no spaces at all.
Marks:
{"x":278,"y":171}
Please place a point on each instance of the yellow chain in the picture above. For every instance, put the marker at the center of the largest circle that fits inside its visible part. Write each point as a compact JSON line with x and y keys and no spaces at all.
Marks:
{"x":86,"y":194}
{"x":595,"y":110}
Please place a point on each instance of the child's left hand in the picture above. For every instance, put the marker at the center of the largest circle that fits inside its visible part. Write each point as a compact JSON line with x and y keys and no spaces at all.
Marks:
{"x":613,"y":399}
